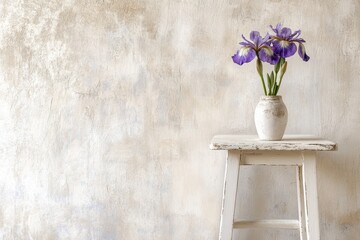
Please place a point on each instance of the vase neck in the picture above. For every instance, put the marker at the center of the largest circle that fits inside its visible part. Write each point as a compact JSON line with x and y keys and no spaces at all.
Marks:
{"x":271,"y":98}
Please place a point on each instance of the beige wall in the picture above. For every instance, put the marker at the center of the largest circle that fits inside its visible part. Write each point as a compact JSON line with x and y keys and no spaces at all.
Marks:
{"x":107,"y":108}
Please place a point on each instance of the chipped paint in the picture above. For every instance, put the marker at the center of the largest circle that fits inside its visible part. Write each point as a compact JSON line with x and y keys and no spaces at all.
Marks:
{"x":288,"y":143}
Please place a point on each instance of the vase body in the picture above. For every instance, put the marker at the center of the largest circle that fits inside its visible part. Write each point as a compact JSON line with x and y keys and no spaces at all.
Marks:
{"x":271,"y":118}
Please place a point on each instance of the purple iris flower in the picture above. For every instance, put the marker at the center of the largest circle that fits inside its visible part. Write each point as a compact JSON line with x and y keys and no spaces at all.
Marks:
{"x":257,"y":47}
{"x":284,"y":42}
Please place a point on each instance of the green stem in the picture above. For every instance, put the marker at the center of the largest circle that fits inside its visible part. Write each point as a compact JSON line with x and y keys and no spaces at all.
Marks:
{"x":263,"y":83}
{"x":274,"y":86}
{"x":259,"y":69}
{"x":279,"y":84}
{"x":282,"y":72}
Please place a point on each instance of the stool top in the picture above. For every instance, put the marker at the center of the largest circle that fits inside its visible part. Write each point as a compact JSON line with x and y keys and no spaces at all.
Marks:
{"x":288,"y":143}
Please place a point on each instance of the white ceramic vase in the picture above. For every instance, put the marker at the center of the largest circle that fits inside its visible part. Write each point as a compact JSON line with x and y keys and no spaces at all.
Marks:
{"x":271,"y":118}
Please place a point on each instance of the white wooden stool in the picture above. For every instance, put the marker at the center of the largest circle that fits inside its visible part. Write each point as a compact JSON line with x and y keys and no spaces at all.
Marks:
{"x":293,"y":150}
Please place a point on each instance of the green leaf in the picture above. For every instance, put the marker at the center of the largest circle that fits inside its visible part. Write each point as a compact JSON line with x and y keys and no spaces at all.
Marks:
{"x":276,"y":89}
{"x":269,"y":83}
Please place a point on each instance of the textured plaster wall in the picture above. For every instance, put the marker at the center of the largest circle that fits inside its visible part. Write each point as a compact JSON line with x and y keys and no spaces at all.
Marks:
{"x":107,"y":108}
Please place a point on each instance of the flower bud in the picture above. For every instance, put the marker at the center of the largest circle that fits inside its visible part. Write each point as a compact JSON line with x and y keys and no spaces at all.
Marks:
{"x":283,"y":69}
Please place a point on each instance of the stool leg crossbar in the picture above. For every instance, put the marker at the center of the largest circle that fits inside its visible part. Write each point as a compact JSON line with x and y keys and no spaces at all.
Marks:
{"x":305,"y":163}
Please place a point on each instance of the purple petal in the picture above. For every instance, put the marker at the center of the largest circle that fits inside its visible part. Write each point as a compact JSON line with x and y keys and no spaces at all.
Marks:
{"x":265,"y":39}
{"x":284,"y":48}
{"x":254,"y":35}
{"x":245,"y":44}
{"x":295,"y":34}
{"x":285,"y":32}
{"x":266,"y":54}
{"x":302,"y":52}
{"x":299,"y":40}
{"x":237,"y":58}
{"x":245,"y":39}
{"x":244,"y":55}
{"x":277,"y":29}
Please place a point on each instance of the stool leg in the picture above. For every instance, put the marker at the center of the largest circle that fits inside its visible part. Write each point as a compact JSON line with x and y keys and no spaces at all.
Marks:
{"x":229,"y":195}
{"x":311,"y":199}
{"x":301,"y":202}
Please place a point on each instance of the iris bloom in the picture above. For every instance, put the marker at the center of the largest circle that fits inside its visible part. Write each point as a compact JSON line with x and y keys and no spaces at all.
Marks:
{"x":274,"y":50}
{"x":284,"y":42}
{"x":257,"y":47}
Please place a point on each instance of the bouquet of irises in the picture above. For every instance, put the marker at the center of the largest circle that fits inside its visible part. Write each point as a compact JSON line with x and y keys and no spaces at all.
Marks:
{"x":273,"y":49}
